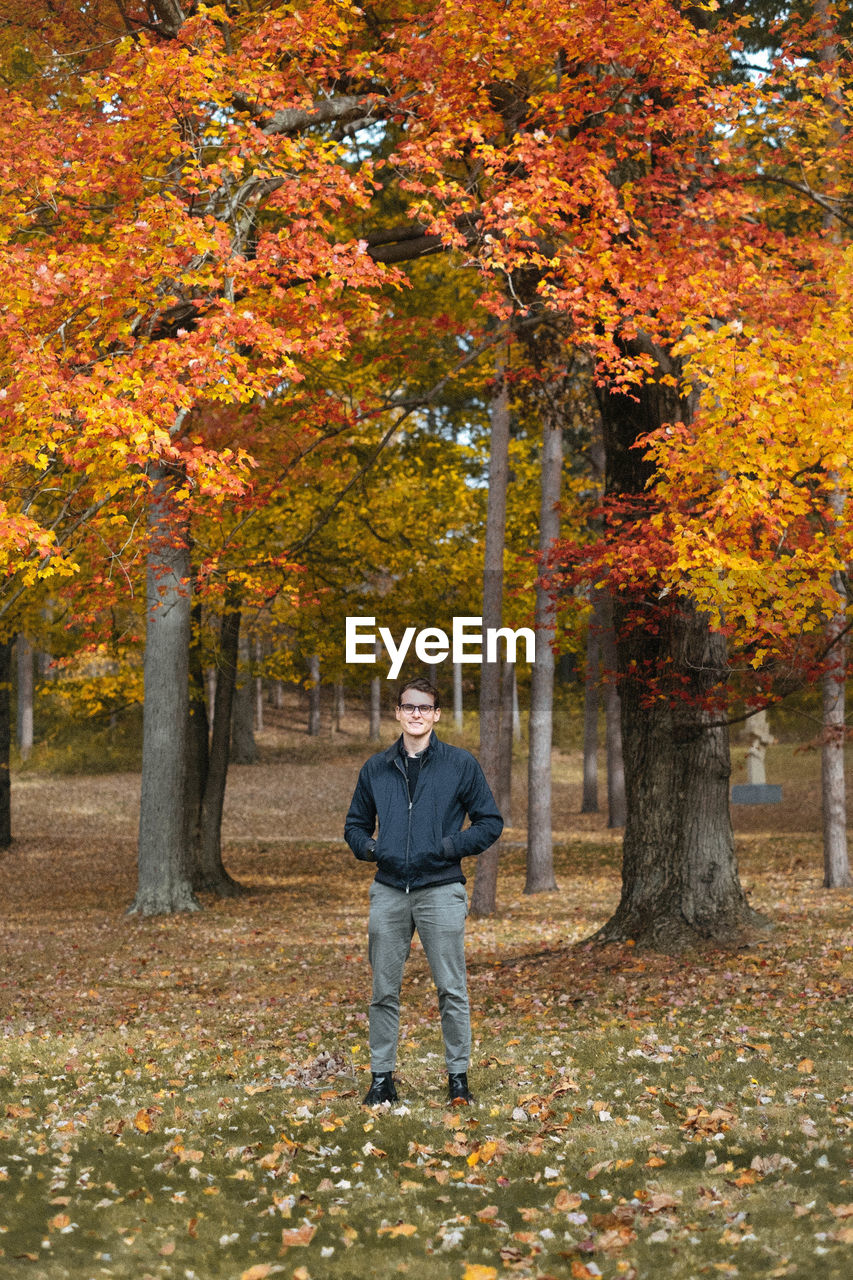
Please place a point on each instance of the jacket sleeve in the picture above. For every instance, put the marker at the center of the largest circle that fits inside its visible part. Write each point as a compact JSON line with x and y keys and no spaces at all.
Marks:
{"x":486,"y":821}
{"x":361,"y":820}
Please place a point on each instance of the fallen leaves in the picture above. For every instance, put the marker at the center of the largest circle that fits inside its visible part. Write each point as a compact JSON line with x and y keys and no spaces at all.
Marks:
{"x":567,"y":1201}
{"x":254,"y":1134}
{"x":604,"y":1166}
{"x":659,"y":1201}
{"x":701,"y":1123}
{"x":297,"y":1237}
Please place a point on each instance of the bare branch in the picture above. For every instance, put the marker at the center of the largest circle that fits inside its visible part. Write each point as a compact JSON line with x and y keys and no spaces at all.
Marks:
{"x":829,"y":206}
{"x":289,"y":120}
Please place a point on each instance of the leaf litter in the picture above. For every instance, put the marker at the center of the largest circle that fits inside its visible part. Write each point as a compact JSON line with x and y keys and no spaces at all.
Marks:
{"x":181,"y":1097}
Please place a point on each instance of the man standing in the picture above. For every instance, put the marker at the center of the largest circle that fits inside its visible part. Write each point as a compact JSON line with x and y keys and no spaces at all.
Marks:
{"x":420,"y":790}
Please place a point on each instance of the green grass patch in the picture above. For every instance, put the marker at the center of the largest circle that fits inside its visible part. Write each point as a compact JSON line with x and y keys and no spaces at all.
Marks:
{"x":650,"y":1150}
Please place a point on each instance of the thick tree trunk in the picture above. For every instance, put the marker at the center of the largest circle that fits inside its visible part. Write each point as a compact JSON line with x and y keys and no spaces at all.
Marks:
{"x":540,"y":840}
{"x":163,"y":866}
{"x":26,"y":693}
{"x":836,"y":861}
{"x":589,"y":799}
{"x":211,"y":874}
{"x":5,"y":743}
{"x":616,"y":803}
{"x":679,"y":871}
{"x":484,"y":895}
{"x":314,"y":695}
{"x":244,"y":749}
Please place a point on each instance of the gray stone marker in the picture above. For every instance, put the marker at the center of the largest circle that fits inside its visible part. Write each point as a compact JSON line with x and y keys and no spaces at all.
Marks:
{"x":757,"y":793}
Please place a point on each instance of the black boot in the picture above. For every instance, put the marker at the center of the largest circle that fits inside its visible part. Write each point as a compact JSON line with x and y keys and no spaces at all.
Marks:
{"x":381,"y":1089}
{"x":457,"y":1087}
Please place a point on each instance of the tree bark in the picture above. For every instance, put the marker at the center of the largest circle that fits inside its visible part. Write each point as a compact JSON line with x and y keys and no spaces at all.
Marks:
{"x":259,"y":687}
{"x":458,"y":712}
{"x":5,"y":743}
{"x":375,"y":729}
{"x":244,"y":749}
{"x":589,"y":799}
{"x":836,"y":860}
{"x":314,"y":695}
{"x":484,"y":894}
{"x":211,"y":874}
{"x":616,"y":803}
{"x":26,"y":691}
{"x":197,"y":742}
{"x":504,"y":793}
{"x":339,"y":706}
{"x":163,"y":863}
{"x":210,"y":683}
{"x":679,"y":871}
{"x":540,"y":839}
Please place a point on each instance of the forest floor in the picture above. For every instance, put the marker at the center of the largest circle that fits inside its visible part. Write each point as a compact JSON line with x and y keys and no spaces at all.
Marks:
{"x":180,"y":1097}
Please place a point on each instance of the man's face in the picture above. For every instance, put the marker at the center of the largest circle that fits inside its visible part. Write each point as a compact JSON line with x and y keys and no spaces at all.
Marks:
{"x":417,"y":714}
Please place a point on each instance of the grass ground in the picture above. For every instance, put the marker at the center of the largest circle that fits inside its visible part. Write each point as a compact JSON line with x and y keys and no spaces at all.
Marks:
{"x":180,"y":1097}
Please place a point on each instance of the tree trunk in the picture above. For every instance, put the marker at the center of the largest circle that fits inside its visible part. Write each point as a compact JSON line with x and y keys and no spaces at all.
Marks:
{"x":26,"y":691}
{"x":679,"y":871}
{"x":210,"y":869}
{"x":197,"y":742}
{"x":458,"y":712}
{"x":836,"y":861}
{"x":589,"y":800}
{"x":163,"y":865}
{"x":210,"y":681}
{"x":540,"y":839}
{"x":259,"y":688}
{"x":484,"y":894}
{"x":339,"y":706}
{"x":243,"y":746}
{"x":375,"y":730}
{"x":5,"y":743}
{"x":504,"y":794}
{"x":616,"y":802}
{"x":314,"y":695}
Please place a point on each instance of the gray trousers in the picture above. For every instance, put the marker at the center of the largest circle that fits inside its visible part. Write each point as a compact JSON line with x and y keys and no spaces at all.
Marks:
{"x":438,"y":913}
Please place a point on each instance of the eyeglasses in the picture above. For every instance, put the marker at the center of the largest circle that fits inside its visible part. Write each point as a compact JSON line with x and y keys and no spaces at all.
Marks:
{"x":416,"y":708}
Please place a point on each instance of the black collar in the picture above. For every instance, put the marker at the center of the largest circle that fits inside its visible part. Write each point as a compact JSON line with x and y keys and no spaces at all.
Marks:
{"x":398,"y":749}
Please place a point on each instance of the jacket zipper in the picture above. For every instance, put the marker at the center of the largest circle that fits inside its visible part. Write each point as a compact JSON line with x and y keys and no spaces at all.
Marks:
{"x":409,"y":820}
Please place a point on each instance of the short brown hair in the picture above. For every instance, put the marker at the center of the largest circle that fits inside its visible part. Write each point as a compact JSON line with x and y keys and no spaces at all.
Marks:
{"x":423,"y":686}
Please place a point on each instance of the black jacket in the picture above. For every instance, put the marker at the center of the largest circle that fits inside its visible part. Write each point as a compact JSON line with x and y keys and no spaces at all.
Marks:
{"x":421,"y":843}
